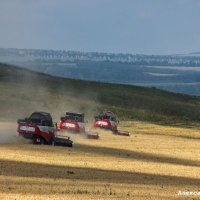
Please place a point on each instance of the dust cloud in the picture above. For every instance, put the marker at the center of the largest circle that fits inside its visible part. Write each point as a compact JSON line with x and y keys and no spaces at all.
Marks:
{"x":8,"y":134}
{"x":26,"y":92}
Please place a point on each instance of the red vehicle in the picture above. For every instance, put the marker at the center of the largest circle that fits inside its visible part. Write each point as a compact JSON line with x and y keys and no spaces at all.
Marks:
{"x":108,"y":120}
{"x":72,"y":122}
{"x":40,"y":129}
{"x":75,"y":122}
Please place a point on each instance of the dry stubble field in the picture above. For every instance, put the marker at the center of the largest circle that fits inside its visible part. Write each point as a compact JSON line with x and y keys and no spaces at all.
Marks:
{"x":154,"y":163}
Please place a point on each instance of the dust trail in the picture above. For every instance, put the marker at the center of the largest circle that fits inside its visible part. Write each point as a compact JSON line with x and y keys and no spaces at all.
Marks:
{"x":8,"y":134}
{"x":27,"y":92}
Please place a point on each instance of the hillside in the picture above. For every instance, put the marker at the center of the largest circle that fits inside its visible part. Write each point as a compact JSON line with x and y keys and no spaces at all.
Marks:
{"x":24,"y":91}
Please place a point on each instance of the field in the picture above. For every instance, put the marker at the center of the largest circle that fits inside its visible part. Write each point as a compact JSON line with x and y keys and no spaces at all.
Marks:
{"x":159,"y":160}
{"x":155,"y":162}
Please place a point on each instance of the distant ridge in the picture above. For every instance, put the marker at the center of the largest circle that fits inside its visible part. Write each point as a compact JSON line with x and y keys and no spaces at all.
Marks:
{"x":177,"y":73}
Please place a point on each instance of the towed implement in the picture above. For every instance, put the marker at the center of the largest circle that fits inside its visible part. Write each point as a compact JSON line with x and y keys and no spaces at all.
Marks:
{"x":39,"y":128}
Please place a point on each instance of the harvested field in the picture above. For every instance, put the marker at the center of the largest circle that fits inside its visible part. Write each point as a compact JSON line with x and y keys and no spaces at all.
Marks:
{"x":155,"y":162}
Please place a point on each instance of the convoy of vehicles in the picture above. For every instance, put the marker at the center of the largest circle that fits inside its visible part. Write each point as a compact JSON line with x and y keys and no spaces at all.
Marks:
{"x":39,"y":127}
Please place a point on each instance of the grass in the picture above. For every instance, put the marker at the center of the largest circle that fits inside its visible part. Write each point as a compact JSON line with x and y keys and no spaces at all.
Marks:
{"x":24,"y":91}
{"x":155,"y":162}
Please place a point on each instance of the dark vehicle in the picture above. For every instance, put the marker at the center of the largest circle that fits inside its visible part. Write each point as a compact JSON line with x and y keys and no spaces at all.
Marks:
{"x":40,"y":129}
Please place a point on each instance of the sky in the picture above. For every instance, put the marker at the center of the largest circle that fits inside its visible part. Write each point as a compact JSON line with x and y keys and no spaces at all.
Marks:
{"x":113,"y":26}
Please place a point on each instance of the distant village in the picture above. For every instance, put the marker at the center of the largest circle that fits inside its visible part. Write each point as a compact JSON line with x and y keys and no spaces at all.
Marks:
{"x":192,"y":59}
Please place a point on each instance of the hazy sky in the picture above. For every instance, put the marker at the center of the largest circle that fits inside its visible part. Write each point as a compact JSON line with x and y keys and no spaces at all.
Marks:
{"x":126,"y":26}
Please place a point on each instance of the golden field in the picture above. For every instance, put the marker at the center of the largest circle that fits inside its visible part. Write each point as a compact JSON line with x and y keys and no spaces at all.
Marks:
{"x":155,"y":162}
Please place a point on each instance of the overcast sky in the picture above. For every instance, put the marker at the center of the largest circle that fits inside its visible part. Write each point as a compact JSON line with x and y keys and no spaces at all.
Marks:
{"x":126,"y":26}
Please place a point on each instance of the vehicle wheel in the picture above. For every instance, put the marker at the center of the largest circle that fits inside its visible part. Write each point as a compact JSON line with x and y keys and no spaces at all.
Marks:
{"x":38,"y":140}
{"x":70,"y":145}
{"x":42,"y":141}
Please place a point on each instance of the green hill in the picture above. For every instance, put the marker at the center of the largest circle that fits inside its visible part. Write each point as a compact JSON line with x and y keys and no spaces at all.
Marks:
{"x":24,"y":91}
